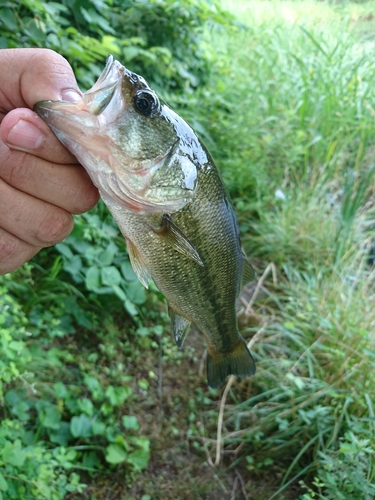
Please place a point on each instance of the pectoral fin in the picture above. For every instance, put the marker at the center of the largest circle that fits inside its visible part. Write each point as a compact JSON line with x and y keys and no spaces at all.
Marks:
{"x":173,"y":235}
{"x":139,"y":266}
{"x":180,"y":327}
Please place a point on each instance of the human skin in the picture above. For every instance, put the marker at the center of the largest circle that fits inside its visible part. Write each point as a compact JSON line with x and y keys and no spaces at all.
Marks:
{"x":41,"y":183}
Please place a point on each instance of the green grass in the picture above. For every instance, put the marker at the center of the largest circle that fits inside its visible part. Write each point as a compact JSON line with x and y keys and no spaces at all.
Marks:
{"x":294,"y":115}
{"x":289,"y":114}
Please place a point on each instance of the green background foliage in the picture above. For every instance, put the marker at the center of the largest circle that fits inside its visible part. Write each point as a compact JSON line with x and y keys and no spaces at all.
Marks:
{"x":95,"y":398}
{"x":161,"y":40}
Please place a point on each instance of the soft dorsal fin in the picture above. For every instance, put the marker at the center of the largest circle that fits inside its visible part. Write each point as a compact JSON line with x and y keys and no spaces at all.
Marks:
{"x":180,"y":327}
{"x":140,"y":268}
{"x":248,"y":273}
{"x":173,"y":235}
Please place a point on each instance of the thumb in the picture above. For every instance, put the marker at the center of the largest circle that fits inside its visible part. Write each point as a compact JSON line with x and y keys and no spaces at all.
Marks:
{"x":32,"y":75}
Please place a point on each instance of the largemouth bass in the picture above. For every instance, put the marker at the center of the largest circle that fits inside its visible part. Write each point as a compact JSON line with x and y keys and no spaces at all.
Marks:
{"x":164,"y":191}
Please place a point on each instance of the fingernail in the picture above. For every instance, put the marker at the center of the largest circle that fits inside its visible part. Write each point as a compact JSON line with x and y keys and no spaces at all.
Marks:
{"x":71,"y":96}
{"x":26,"y":136}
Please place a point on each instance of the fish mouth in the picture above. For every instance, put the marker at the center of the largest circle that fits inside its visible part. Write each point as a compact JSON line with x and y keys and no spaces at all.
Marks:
{"x":101,"y":93}
{"x":95,"y":101}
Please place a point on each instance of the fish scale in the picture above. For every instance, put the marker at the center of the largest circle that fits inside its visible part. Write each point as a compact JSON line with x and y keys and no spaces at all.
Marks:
{"x":166,"y":195}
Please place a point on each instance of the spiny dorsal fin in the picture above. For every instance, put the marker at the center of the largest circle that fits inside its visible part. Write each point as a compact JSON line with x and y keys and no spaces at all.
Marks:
{"x":173,"y":235}
{"x":180,"y":327}
{"x":140,"y":268}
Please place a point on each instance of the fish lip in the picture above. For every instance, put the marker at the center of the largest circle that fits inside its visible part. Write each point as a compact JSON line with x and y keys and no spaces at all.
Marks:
{"x":46,"y":109}
{"x":112,"y":72}
{"x":99,"y":96}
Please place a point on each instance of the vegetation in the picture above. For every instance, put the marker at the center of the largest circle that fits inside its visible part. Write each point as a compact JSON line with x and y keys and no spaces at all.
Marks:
{"x":93,"y":390}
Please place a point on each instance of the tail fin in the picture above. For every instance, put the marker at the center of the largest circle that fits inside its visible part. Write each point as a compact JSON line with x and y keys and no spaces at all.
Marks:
{"x":239,"y":362}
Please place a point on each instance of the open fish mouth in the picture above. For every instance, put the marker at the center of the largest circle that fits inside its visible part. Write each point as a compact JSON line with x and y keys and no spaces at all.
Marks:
{"x":95,"y":101}
{"x":101,"y":93}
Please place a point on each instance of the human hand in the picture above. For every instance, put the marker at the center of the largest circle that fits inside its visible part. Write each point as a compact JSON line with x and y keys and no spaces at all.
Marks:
{"x":41,"y":184}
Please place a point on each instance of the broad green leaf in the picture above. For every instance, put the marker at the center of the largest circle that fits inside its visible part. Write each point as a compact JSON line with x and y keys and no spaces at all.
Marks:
{"x":93,"y":278}
{"x":35,"y":32}
{"x":62,"y":436}
{"x":139,"y":459}
{"x":13,"y":454}
{"x":115,"y":454}
{"x":117,"y":395}
{"x":130,"y":422}
{"x":86,"y":406}
{"x":144,"y":331}
{"x":110,"y":276}
{"x":50,"y":417}
{"x":91,"y":460}
{"x":45,"y":490}
{"x":91,"y":382}
{"x":98,"y":428}
{"x":110,"y":43}
{"x":127,"y":271}
{"x":8,"y":19}
{"x":21,"y":410}
{"x":65,"y":250}
{"x":74,"y":265}
{"x":106,"y":256}
{"x":131,"y":52}
{"x":80,"y":426}
{"x":3,"y":483}
{"x":136,"y":292}
{"x":60,"y":390}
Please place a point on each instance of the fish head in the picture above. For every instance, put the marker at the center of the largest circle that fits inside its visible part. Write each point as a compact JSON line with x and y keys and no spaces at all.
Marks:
{"x":138,"y":152}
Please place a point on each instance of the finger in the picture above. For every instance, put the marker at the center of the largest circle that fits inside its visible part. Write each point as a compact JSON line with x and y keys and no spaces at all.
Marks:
{"x":14,"y":252}
{"x":37,"y":74}
{"x":66,"y":186}
{"x":32,"y":220}
{"x":22,"y":129}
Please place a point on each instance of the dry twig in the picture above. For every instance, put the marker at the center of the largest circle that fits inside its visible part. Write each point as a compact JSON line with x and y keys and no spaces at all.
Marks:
{"x":271,"y":267}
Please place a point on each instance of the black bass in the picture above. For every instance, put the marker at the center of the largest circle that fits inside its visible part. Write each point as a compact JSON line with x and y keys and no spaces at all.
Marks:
{"x":164,"y":191}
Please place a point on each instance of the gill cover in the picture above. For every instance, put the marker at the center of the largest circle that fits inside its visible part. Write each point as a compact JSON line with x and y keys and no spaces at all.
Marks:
{"x":136,"y":150}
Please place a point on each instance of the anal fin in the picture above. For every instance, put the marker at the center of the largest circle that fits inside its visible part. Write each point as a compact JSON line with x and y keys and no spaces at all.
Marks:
{"x":139,"y":266}
{"x":173,"y":235}
{"x":180,"y":327}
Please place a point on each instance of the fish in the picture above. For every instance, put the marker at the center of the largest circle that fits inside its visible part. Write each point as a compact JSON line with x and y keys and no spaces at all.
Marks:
{"x":163,"y":189}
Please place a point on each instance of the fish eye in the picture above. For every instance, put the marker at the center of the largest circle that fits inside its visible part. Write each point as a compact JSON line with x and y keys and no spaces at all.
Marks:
{"x":146,"y":103}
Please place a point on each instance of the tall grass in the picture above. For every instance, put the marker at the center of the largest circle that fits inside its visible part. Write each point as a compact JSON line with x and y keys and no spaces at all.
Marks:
{"x":295,"y":101}
{"x":292,"y":125}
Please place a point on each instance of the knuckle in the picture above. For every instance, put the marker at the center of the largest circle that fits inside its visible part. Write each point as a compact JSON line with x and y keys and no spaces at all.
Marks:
{"x":50,"y":62}
{"x":55,"y":227}
{"x":8,"y":248}
{"x":21,"y":165}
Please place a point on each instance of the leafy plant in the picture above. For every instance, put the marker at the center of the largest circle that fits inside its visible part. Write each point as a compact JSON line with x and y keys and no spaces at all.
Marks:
{"x":160,"y":40}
